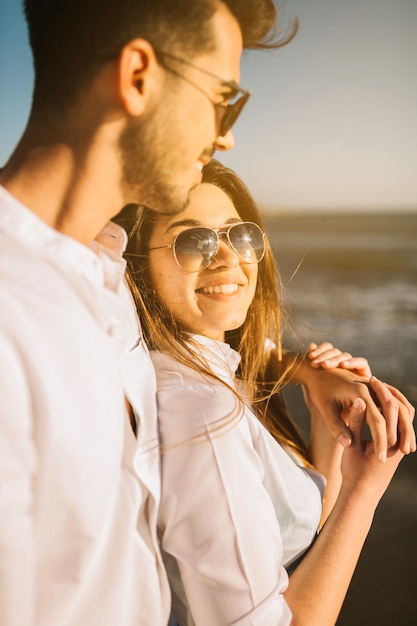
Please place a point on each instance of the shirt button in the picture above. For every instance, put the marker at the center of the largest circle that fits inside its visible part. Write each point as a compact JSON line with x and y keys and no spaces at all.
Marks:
{"x":114,"y":329}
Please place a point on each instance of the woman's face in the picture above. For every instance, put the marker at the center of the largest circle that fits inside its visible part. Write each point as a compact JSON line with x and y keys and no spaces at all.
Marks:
{"x":216,"y":299}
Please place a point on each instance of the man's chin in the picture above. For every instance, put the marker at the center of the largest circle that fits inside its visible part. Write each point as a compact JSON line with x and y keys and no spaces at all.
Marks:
{"x":179,"y":208}
{"x":170,"y":206}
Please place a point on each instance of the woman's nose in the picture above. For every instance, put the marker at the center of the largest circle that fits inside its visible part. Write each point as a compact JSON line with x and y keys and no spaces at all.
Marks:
{"x":226,"y":256}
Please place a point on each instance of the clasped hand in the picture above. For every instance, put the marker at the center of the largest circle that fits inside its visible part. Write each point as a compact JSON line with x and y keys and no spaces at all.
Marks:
{"x":332,"y":380}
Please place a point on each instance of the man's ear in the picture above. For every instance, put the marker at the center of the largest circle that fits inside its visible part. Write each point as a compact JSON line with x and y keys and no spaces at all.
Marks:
{"x":139,"y":74}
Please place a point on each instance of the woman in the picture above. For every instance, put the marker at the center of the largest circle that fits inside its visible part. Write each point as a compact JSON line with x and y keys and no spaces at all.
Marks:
{"x":241,"y":497}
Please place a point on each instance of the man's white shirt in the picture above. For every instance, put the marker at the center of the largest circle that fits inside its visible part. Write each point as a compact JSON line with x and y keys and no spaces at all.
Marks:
{"x":78,"y":492}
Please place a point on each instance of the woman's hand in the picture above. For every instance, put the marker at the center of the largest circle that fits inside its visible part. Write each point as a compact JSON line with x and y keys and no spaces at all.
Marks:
{"x":399,"y":423}
{"x":327,"y":356}
{"x":389,"y":414}
{"x":318,"y":586}
{"x":331,"y":392}
{"x":360,"y":468}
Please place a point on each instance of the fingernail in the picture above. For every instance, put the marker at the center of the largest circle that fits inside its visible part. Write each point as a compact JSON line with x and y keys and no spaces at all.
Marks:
{"x":344,"y":440}
{"x":383,"y":457}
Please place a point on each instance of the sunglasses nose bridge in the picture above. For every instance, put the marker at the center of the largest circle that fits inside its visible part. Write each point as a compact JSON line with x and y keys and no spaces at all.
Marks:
{"x":227,"y":250}
{"x":223,"y":237}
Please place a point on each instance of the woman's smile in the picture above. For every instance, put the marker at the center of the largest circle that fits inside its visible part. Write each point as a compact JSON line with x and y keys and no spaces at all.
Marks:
{"x":228,"y":289}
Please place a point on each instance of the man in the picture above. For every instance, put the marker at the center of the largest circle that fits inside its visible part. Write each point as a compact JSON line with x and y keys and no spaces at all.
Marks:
{"x":131,"y":99}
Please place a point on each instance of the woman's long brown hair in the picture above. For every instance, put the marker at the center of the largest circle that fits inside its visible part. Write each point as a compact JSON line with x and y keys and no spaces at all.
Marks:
{"x":264,"y":321}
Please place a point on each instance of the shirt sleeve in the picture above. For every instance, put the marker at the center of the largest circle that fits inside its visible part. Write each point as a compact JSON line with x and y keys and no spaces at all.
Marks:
{"x":216,"y":518}
{"x":17,"y":462}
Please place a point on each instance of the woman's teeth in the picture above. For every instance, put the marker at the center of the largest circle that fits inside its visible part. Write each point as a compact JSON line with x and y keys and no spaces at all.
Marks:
{"x":220,"y":289}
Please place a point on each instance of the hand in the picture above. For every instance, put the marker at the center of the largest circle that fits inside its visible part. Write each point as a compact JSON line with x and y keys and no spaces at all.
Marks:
{"x":332,"y":392}
{"x":328,"y":393}
{"x":327,"y":356}
{"x":360,"y":467}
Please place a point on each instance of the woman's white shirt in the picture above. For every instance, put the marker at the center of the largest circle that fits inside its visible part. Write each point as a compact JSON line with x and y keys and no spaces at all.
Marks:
{"x":235,"y":507}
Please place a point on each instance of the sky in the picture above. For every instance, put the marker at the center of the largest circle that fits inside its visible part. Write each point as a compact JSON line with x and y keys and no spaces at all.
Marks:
{"x":332,"y":120}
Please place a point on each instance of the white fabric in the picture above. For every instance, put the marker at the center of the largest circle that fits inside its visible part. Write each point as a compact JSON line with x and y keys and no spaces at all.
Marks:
{"x":235,"y":506}
{"x":70,"y":492}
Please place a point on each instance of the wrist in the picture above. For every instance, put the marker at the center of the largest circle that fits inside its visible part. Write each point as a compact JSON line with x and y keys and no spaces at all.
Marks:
{"x":356,"y":502}
{"x":291,"y":367}
{"x":362,"y":494}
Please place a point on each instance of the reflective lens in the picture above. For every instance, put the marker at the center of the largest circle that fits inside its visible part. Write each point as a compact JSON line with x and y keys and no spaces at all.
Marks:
{"x":232,"y":112}
{"x":196,"y":248}
{"x":247,"y":240}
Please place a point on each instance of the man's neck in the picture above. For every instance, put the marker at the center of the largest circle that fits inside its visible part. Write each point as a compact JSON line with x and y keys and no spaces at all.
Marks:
{"x":74,"y":191}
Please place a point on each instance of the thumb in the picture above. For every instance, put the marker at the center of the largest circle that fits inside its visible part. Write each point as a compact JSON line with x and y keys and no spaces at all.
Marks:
{"x":355,"y":418}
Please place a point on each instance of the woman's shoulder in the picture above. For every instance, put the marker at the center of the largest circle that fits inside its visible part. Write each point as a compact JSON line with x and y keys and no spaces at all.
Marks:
{"x":206,"y":356}
{"x":170,"y":372}
{"x":192,"y":401}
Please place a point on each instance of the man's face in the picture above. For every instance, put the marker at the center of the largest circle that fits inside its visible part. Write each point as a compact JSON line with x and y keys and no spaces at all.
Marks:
{"x":163,"y":155}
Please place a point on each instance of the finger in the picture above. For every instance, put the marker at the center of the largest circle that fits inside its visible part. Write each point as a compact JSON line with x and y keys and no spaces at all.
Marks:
{"x":331,"y":358}
{"x":407,"y":435}
{"x":358,"y":364}
{"x":355,"y":419}
{"x":315,"y":350}
{"x":389,"y":412}
{"x":334,"y":419}
{"x":397,"y":393}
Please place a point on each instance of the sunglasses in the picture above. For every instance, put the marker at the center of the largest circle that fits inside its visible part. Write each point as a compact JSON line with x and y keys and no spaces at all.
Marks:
{"x":195,"y":248}
{"x":234,"y":97}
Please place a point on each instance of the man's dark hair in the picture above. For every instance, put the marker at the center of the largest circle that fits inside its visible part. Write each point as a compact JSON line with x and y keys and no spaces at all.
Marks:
{"x":68,"y":37}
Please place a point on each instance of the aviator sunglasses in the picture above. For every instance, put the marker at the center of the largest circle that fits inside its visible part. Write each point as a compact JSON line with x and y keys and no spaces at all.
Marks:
{"x":234,"y":97}
{"x":195,"y":248}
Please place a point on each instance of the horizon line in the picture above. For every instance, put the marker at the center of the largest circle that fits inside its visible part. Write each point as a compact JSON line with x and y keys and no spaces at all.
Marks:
{"x":368,"y":210}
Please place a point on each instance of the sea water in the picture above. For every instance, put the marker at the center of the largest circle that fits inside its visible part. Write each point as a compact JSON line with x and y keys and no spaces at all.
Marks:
{"x":352,"y":279}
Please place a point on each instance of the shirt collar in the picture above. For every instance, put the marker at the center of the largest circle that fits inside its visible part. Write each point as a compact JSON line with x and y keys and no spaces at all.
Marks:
{"x":101,"y":263}
{"x":219,"y":354}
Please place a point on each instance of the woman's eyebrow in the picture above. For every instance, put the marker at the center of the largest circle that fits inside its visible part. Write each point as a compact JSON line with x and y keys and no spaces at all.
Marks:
{"x":192,"y":222}
{"x":185,"y":222}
